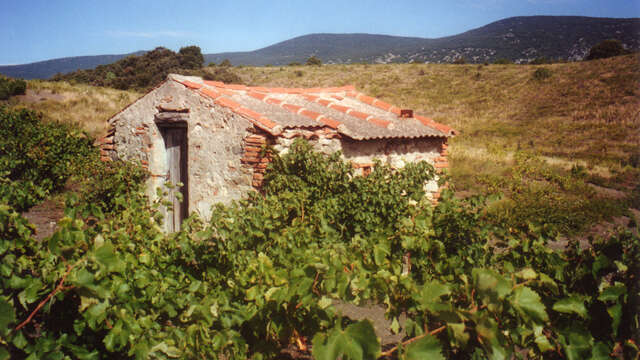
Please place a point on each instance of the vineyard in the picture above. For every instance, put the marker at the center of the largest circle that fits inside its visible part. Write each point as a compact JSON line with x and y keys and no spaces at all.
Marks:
{"x":265,"y":273}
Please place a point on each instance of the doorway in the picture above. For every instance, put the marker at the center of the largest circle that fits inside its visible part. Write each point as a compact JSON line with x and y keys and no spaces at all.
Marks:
{"x":175,"y":144}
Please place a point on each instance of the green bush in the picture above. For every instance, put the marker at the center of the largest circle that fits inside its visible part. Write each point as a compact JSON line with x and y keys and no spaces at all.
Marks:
{"x":37,"y":158}
{"x":606,"y":49}
{"x":503,"y":61}
{"x":541,"y":74}
{"x":139,"y":72}
{"x":314,"y":61}
{"x":10,"y":87}
{"x":264,"y":273}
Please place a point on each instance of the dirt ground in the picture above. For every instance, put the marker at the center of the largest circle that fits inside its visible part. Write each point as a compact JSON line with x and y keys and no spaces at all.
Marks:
{"x":45,"y":217}
{"x":35,"y":96}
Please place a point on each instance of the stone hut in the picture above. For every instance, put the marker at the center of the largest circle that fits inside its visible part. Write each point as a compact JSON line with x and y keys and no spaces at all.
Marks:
{"x":208,"y":135}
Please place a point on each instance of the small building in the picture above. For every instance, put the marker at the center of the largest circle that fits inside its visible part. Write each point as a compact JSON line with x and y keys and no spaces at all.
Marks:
{"x":209,"y":135}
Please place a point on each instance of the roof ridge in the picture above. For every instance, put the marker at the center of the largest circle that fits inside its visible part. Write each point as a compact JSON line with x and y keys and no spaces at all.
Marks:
{"x":217,"y":89}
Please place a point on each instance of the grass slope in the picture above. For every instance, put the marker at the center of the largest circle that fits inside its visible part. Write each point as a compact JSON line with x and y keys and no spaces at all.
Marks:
{"x":544,"y":143}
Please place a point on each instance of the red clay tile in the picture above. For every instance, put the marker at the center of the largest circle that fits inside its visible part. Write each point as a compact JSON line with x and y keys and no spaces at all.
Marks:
{"x":337,"y":97}
{"x":248,"y":112}
{"x":273,"y":101}
{"x":191,"y":85}
{"x":214,"y":83}
{"x":352,"y":93}
{"x":311,"y":98}
{"x":312,"y":90}
{"x":395,"y":110}
{"x":329,"y":121}
{"x":226,"y":102}
{"x":267,"y":122}
{"x":292,"y":108}
{"x":381,"y":105}
{"x":278,"y":90}
{"x":424,"y":120}
{"x":257,"y":95}
{"x":380,"y":122}
{"x":344,"y":109}
{"x":359,"y":114}
{"x":210,"y":93}
{"x":294,"y":90}
{"x":365,"y":99}
{"x":235,"y":87}
{"x":310,"y":114}
{"x":259,"y":88}
{"x":324,"y":102}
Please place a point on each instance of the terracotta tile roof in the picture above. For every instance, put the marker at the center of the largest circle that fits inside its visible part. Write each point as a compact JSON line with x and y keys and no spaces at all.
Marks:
{"x":351,"y":113}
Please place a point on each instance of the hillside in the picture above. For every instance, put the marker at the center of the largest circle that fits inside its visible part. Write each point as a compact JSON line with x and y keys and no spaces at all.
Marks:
{"x":48,"y":68}
{"x":573,"y":136}
{"x":519,"y":39}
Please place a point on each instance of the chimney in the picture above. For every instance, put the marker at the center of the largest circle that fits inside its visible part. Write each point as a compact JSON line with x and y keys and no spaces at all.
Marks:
{"x":406,"y":113}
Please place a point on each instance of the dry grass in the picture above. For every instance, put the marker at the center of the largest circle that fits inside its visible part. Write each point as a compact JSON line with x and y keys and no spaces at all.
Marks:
{"x":83,"y":105}
{"x":587,"y":114}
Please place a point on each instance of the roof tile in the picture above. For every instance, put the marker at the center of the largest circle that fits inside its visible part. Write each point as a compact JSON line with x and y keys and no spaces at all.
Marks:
{"x":292,"y":108}
{"x":257,"y":95}
{"x":311,"y":114}
{"x":380,"y":122}
{"x":324,"y":102}
{"x":359,"y":114}
{"x":365,"y":99}
{"x":226,"y":102}
{"x":191,"y":85}
{"x":329,"y":121}
{"x":381,"y":105}
{"x":214,"y":83}
{"x":210,"y":93}
{"x":235,"y":87}
{"x":273,"y":101}
{"x":344,"y":109}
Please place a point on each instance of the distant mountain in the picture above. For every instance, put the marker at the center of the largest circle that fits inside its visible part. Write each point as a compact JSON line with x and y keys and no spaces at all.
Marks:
{"x":48,"y":68}
{"x":519,"y":39}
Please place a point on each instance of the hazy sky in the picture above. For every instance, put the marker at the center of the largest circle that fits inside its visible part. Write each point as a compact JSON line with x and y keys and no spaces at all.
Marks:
{"x":34,"y":30}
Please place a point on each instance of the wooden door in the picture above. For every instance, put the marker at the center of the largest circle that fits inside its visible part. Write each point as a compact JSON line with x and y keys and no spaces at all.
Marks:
{"x":175,"y":141}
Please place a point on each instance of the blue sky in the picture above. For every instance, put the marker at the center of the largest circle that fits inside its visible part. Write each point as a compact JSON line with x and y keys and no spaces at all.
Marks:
{"x":34,"y":30}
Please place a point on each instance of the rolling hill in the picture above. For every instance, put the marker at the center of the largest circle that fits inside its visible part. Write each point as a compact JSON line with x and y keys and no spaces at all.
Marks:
{"x":48,"y":68}
{"x":519,"y":39}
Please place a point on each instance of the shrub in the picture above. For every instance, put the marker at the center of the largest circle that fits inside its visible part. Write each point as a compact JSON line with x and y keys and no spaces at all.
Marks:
{"x":294,"y":63}
{"x":503,"y":61}
{"x":541,"y":74}
{"x":606,"y":49}
{"x":139,"y":72}
{"x":225,"y":63}
{"x":299,"y":73}
{"x":540,"y":61}
{"x":10,"y":87}
{"x":314,"y":61}
{"x":459,"y":61}
{"x":191,"y":57}
{"x":37,"y":158}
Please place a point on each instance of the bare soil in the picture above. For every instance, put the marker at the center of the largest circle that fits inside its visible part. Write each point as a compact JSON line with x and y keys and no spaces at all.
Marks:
{"x":34,"y":96}
{"x":45,"y":217}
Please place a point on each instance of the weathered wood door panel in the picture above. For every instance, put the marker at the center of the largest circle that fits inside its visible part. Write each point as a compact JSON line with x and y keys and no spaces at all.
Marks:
{"x":175,"y":141}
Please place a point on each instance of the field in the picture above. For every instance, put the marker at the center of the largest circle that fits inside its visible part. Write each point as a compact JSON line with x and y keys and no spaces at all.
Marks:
{"x":559,"y":142}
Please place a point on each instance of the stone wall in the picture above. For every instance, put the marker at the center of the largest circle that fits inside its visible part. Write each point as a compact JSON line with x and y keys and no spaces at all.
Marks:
{"x":215,"y":145}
